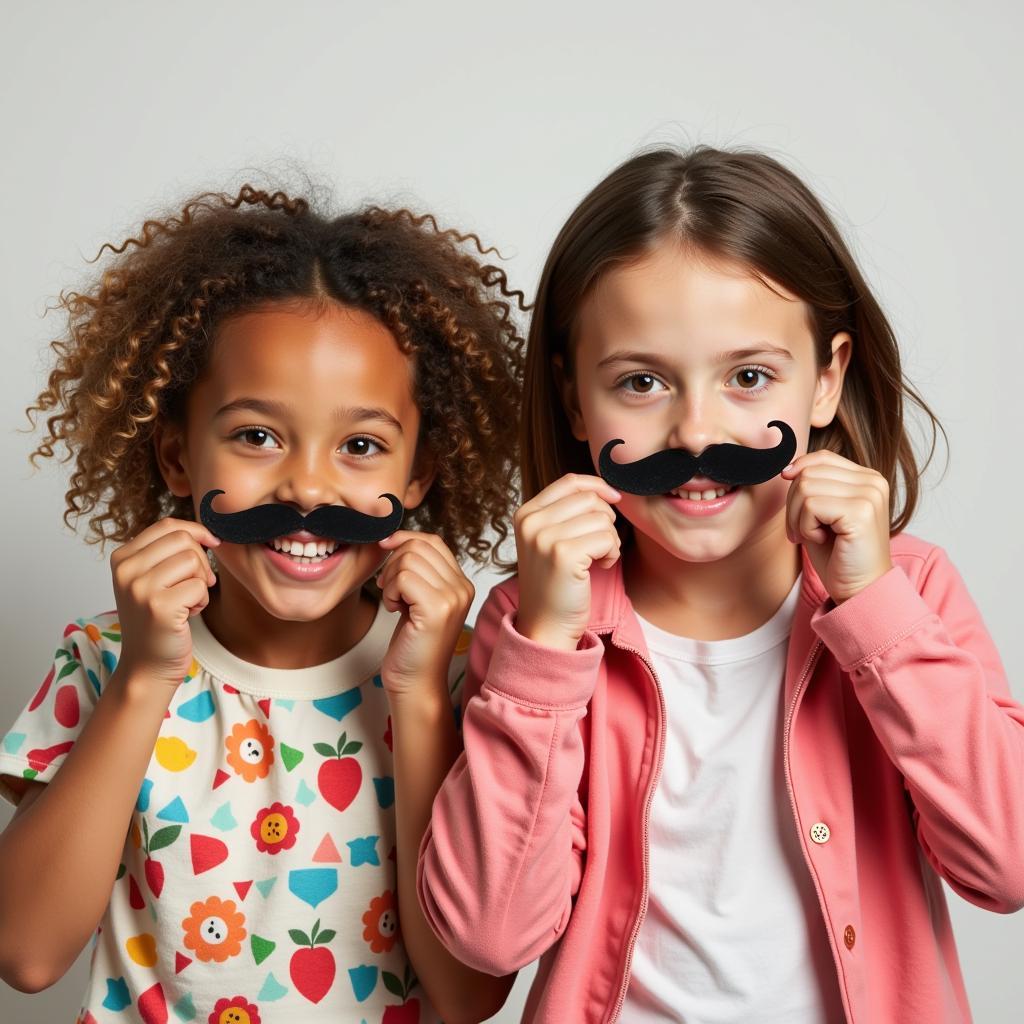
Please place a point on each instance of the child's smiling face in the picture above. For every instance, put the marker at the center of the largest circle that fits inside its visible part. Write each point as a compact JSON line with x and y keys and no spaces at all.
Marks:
{"x":304,"y":406}
{"x":680,"y":351}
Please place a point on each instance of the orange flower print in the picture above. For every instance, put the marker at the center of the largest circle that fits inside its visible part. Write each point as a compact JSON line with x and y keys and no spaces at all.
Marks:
{"x":250,"y":750}
{"x":381,"y":922}
{"x":214,"y":930}
{"x":275,"y":829}
{"x":234,"y":1011}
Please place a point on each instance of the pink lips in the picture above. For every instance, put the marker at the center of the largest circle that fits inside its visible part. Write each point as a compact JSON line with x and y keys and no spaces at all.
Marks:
{"x":312,"y":571}
{"x":703,"y":508}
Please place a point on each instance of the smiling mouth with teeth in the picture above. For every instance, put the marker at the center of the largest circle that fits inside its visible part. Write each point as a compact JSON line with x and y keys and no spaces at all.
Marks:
{"x":308,"y":553}
{"x":709,"y":495}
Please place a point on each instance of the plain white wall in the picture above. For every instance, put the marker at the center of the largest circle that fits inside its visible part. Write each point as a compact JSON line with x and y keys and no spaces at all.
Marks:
{"x":904,"y":116}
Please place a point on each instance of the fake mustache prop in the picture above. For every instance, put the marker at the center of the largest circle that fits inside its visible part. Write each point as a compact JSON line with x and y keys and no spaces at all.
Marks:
{"x":332,"y":522}
{"x":726,"y":464}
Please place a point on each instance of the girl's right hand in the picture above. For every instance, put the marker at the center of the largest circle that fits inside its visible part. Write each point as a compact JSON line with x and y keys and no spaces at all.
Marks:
{"x":161,"y":577}
{"x":560,"y":533}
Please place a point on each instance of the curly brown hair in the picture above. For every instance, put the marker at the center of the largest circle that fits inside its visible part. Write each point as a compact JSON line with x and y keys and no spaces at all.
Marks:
{"x":142,"y":333}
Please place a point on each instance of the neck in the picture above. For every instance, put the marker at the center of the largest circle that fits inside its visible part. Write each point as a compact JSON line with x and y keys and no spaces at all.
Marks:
{"x":716,"y":600}
{"x":249,"y":632}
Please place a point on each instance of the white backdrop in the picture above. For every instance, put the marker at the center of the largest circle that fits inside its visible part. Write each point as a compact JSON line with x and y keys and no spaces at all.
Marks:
{"x":904,"y":116}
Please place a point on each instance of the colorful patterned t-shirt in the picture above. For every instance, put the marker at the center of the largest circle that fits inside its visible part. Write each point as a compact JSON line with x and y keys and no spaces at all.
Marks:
{"x":258,"y":879}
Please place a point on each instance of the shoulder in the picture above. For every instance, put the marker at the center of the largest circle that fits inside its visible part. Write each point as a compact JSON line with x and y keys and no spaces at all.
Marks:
{"x":918,"y":558}
{"x":507,"y":591}
{"x":93,"y":642}
{"x":503,"y":597}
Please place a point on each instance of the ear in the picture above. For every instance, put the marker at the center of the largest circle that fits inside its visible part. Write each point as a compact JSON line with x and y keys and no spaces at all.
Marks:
{"x":830,"y":381}
{"x":570,"y":400}
{"x":172,"y":458}
{"x":424,"y":470}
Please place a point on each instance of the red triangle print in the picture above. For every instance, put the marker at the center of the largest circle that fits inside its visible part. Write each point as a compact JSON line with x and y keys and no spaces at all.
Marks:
{"x":167,"y":714}
{"x":265,"y":706}
{"x":327,"y":852}
{"x":207,"y":852}
{"x":242,"y":888}
{"x":220,"y":778}
{"x":181,"y":962}
{"x":229,"y":689}
{"x":135,"y":900}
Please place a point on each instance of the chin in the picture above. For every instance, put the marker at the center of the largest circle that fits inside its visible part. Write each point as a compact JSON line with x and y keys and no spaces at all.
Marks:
{"x":709,"y":548}
{"x":303,"y":608}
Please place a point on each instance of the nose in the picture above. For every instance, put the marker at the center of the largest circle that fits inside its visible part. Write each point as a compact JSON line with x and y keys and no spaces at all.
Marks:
{"x":691,"y":425}
{"x":306,"y":482}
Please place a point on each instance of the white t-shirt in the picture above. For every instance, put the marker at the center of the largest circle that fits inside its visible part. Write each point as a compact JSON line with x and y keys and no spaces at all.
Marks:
{"x":733,"y":931}
{"x":269,"y":891}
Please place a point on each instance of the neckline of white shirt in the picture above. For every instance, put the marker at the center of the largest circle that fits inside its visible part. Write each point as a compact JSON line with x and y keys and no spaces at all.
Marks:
{"x":719,"y":652}
{"x":352,"y":668}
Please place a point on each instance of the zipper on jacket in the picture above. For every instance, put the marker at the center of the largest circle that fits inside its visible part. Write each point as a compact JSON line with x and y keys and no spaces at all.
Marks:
{"x":808,"y":666}
{"x":655,"y":775}
{"x":645,"y":895}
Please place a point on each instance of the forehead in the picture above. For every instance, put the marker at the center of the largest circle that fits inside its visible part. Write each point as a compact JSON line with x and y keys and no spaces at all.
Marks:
{"x":312,"y":358}
{"x":674,"y":295}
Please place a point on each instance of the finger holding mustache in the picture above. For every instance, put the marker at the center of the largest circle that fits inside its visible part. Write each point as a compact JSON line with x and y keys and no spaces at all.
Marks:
{"x":422,"y":580}
{"x":840,"y":512}
{"x":560,"y":534}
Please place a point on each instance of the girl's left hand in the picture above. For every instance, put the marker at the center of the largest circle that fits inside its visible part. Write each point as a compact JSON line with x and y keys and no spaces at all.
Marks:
{"x":424,"y":582}
{"x":840,"y":512}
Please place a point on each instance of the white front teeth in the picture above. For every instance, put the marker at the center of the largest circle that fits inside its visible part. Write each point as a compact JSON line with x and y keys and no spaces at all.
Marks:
{"x":311,"y":549}
{"x":708,"y":495}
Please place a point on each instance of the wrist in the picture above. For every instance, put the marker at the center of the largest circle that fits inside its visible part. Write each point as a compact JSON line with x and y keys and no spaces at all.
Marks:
{"x":138,"y":689}
{"x":546,"y":634}
{"x":869,"y":580}
{"x":427,"y":699}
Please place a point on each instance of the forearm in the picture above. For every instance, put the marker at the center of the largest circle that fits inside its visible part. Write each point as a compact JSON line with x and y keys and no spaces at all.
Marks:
{"x":503,"y":897}
{"x":59,"y":860}
{"x":425,"y":747}
{"x":932,"y":685}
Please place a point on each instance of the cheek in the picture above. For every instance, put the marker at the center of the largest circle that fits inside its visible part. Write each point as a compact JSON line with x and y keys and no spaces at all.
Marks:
{"x":242,"y":486}
{"x":605,"y":418}
{"x":772,"y":494}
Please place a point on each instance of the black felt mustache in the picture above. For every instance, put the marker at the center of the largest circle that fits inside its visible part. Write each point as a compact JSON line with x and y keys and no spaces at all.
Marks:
{"x":726,"y":464}
{"x":332,"y":522}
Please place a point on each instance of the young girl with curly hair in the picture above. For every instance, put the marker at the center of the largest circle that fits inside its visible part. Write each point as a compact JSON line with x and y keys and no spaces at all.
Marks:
{"x":727,"y":730}
{"x":227,"y":778}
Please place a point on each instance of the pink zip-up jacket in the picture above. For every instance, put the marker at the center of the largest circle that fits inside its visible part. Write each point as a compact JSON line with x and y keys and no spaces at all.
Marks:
{"x":903,"y":754}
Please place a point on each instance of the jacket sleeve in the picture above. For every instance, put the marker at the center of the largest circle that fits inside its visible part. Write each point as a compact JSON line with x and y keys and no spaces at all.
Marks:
{"x":501,"y":859}
{"x":934,"y":689}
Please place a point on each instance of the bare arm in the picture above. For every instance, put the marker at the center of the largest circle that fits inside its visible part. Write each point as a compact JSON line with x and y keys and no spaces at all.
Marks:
{"x":60,"y":853}
{"x":425,"y":747}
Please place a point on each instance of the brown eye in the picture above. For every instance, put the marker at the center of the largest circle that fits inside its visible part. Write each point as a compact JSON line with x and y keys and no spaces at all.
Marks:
{"x":642,"y":383}
{"x":362,"y":446}
{"x":255,"y":436}
{"x":747,"y":379}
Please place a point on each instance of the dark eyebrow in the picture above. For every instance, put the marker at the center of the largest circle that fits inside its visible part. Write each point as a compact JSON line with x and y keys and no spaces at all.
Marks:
{"x":271,"y":407}
{"x":739,"y":354}
{"x":624,"y":356}
{"x":732,"y":356}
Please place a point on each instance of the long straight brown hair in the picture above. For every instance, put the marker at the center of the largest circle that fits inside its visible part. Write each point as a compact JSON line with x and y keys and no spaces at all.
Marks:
{"x":745,"y":207}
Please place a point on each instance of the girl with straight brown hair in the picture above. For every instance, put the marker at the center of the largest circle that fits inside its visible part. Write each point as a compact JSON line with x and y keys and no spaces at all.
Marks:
{"x":730,"y":725}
